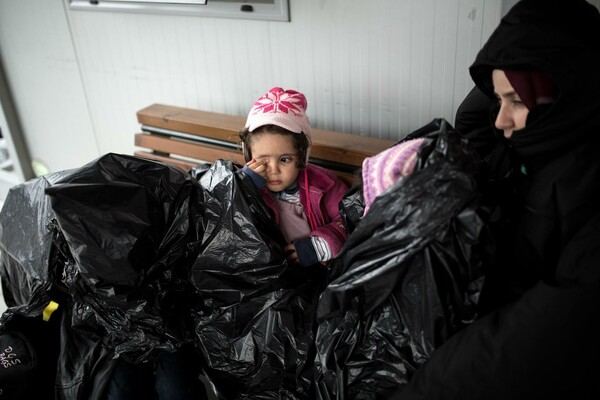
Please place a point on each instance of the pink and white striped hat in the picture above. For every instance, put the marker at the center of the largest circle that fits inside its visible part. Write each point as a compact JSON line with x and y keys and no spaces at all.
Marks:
{"x":382,"y":170}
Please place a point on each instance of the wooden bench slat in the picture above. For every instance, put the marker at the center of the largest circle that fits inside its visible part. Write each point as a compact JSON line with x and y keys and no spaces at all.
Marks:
{"x":327,"y":145}
{"x":198,"y":151}
{"x":195,"y":122}
{"x":184,"y":165}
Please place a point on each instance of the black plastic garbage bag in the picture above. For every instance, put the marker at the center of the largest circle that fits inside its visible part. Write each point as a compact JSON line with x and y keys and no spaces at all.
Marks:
{"x":407,"y":278}
{"x":86,"y":361}
{"x":25,"y":246}
{"x":112,"y":242}
{"x":132,"y":229}
{"x":352,"y":208}
{"x":32,"y":268}
{"x":146,"y":259}
{"x":255,"y":323}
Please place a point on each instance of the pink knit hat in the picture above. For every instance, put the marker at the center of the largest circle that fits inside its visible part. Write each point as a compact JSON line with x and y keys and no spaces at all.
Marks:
{"x":382,"y":170}
{"x":284,"y":108}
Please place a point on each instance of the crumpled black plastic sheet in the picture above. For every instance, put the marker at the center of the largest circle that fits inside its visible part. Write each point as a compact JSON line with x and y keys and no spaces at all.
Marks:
{"x":132,"y":227}
{"x":145,"y":258}
{"x":33,"y":269}
{"x":25,"y":246}
{"x":255,"y":324}
{"x":112,"y":243}
{"x":408,"y":277}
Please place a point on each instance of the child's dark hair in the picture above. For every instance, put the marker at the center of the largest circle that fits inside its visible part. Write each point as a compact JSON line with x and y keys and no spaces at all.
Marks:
{"x":300,"y":140}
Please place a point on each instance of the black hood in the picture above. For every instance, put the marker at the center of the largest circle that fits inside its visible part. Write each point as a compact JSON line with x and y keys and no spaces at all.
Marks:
{"x":561,"y":38}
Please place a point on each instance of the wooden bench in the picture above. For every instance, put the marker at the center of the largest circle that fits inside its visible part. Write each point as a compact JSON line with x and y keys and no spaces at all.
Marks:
{"x":186,"y":137}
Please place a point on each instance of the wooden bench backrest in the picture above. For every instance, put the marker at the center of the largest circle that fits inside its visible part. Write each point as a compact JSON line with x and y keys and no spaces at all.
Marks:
{"x":185,"y":137}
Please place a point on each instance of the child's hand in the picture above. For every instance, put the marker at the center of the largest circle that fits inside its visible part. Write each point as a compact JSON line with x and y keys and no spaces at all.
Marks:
{"x":258,"y":167}
{"x":291,"y":255}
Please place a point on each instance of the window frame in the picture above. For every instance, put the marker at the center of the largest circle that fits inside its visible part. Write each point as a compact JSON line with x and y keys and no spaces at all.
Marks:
{"x":277,"y":11}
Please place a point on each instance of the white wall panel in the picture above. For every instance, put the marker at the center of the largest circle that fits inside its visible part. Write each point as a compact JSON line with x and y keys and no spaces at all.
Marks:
{"x":43,"y":77}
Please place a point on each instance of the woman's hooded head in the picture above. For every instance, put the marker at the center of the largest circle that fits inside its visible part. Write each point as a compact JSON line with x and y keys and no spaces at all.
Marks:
{"x":551,"y":50}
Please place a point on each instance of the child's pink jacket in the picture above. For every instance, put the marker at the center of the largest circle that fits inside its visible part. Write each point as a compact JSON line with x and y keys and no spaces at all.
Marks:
{"x":320,"y":201}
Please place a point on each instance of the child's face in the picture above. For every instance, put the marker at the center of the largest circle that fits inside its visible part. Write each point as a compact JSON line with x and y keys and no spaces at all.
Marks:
{"x":279,"y":157}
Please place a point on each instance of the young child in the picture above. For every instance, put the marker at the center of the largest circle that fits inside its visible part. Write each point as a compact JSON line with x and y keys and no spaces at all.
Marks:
{"x":304,"y":197}
{"x":383,"y":170}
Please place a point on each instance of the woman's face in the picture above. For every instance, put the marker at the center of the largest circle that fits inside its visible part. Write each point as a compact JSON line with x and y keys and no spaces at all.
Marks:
{"x":513,"y":113}
{"x":280,"y":158}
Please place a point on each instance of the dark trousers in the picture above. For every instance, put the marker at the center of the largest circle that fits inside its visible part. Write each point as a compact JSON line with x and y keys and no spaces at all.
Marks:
{"x":174,"y":377}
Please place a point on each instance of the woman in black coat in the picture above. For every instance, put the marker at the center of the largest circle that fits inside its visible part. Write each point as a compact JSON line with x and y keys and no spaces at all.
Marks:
{"x":538,"y":334}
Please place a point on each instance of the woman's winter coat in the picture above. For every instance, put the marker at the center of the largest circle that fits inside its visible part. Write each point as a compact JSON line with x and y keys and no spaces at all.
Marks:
{"x":539,"y":336}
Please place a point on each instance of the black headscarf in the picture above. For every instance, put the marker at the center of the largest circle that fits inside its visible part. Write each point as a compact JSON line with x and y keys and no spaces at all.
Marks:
{"x":560,"y":38}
